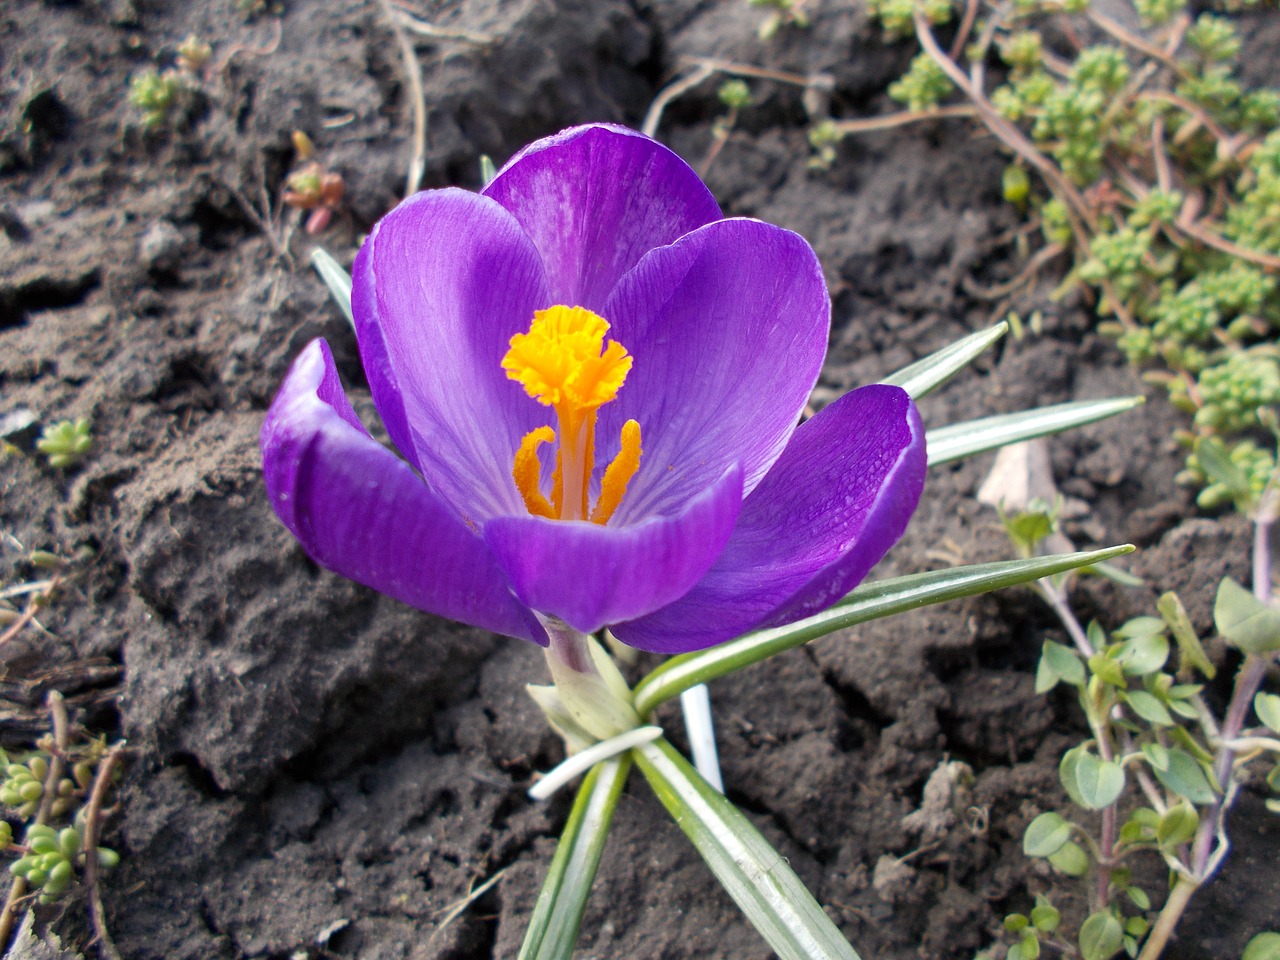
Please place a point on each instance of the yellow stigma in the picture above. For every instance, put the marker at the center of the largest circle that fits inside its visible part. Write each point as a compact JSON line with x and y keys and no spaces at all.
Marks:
{"x":564,"y":362}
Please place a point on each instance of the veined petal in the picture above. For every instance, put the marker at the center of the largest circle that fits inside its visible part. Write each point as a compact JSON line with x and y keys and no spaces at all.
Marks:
{"x":728,"y":327}
{"x":594,"y":200}
{"x":439,"y":288}
{"x":835,"y":502}
{"x":362,"y":512}
{"x":591,"y":575}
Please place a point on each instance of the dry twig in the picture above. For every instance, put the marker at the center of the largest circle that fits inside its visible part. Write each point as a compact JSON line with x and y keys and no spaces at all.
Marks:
{"x":92,"y":834}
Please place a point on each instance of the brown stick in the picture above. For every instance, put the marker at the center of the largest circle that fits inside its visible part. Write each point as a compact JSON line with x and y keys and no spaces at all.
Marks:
{"x":92,"y":833}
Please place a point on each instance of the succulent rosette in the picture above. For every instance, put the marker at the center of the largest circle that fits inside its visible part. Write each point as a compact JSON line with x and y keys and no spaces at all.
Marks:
{"x":595,"y":382}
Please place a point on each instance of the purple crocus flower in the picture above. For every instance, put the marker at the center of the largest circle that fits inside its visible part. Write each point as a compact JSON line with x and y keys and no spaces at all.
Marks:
{"x":595,"y":380}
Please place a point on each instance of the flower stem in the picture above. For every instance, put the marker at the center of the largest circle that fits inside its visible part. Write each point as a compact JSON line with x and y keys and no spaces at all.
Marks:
{"x":1170,"y":914}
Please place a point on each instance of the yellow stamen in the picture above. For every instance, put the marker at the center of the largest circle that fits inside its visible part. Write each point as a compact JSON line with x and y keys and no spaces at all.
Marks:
{"x":527,"y":470}
{"x":618,"y":474}
{"x":564,"y":362}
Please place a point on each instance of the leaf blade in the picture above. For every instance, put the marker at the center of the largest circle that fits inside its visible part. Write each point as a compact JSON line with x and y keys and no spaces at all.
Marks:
{"x":931,"y":372}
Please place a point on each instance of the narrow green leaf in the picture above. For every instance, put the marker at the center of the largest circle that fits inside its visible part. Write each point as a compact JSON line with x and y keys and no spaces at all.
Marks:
{"x":961,"y":440}
{"x":1046,"y":835}
{"x":869,"y":602}
{"x":1177,"y":825}
{"x":933,"y":371}
{"x":1245,"y":621}
{"x":1267,"y":707}
{"x":1186,"y":778}
{"x":336,"y":279}
{"x":1101,"y":936}
{"x":755,"y":875}
{"x":553,"y":929}
{"x":1190,"y":649}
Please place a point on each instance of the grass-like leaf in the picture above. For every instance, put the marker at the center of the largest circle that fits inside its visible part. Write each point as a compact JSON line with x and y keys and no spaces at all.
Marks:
{"x":936,"y":369}
{"x":553,"y":929}
{"x":336,"y":279}
{"x":961,"y":440}
{"x":755,"y":875}
{"x":869,"y":602}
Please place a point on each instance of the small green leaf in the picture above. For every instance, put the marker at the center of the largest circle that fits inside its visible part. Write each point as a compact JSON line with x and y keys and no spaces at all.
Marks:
{"x":1108,"y":670}
{"x":1045,"y":835}
{"x":1267,"y":707}
{"x":1157,"y":755}
{"x":1265,"y":946}
{"x":1177,"y":825}
{"x":1139,"y":897}
{"x":1045,"y":918}
{"x":1016,"y":923}
{"x":1136,"y":927}
{"x":1046,"y":679}
{"x":1030,"y":944}
{"x":336,"y":279}
{"x":1101,"y":936}
{"x":1185,"y":777}
{"x":1148,"y":708}
{"x":1190,"y":649}
{"x":1144,"y":654}
{"x":1064,"y":662}
{"x":1245,"y":621}
{"x":1140,"y":627}
{"x":1090,"y":781}
{"x":1071,"y":860}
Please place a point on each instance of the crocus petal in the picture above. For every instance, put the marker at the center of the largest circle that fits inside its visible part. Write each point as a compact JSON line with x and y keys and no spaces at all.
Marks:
{"x":837,"y":499}
{"x":728,"y":327}
{"x":594,"y":200}
{"x":590,"y":575}
{"x":362,"y":512}
{"x":443,"y":282}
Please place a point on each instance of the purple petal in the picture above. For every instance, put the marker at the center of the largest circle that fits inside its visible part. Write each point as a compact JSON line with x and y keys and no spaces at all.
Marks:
{"x":837,"y":499}
{"x":594,"y":200}
{"x":439,"y":288}
{"x":361,"y":512}
{"x":728,"y":327}
{"x":590,"y":575}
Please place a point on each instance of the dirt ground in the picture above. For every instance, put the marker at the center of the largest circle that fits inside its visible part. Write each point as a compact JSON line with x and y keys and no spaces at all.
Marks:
{"x":317,"y":771}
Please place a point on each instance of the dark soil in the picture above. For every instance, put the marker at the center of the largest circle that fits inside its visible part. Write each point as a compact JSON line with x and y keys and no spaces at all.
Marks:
{"x":317,"y":771}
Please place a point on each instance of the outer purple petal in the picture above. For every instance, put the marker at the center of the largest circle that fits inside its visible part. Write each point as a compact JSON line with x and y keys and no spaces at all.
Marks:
{"x":837,"y":499}
{"x":590,"y":575}
{"x":594,"y":200}
{"x":361,"y":512}
{"x":728,"y":327}
{"x":443,"y":282}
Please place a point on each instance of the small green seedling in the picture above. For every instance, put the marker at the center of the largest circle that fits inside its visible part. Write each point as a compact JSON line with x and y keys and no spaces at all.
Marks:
{"x":65,"y":443}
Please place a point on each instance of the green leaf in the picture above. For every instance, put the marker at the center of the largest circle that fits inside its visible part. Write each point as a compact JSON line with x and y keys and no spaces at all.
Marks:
{"x":1149,"y":708}
{"x":1071,"y":860}
{"x":1099,"y":782}
{"x":1265,"y":946}
{"x":1045,"y":835}
{"x":1216,"y":462}
{"x":1157,"y":755}
{"x":755,"y":875}
{"x":933,"y":371}
{"x":1143,"y":654}
{"x":1107,"y":669}
{"x":1016,"y":923}
{"x":1267,"y":707}
{"x":1177,"y":825}
{"x":1139,"y":897}
{"x":1245,"y":621}
{"x":1190,"y":649}
{"x":1063,"y":662}
{"x":869,"y":602}
{"x":336,"y":279}
{"x":1045,"y":917}
{"x":961,"y":440}
{"x":553,"y":929}
{"x":1186,"y":778}
{"x":1101,"y":936}
{"x":1140,"y":627}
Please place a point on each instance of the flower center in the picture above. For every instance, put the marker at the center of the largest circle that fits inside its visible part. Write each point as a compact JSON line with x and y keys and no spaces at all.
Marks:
{"x":565,"y":363}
